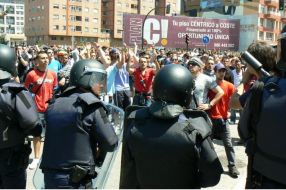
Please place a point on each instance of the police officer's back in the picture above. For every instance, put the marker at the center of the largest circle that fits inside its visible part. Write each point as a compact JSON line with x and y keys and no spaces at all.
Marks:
{"x":159,"y":142}
{"x":18,"y":118}
{"x":77,"y":127}
{"x":262,"y":126}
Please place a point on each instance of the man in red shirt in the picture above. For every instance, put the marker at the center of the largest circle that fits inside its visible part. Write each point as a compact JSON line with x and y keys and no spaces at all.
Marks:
{"x":41,"y":82}
{"x":218,"y":114}
{"x":143,"y":79}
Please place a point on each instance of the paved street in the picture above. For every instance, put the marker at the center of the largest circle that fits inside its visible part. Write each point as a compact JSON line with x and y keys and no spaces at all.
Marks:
{"x":226,"y":181}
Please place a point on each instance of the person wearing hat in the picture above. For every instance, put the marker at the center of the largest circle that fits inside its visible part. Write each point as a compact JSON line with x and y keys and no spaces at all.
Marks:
{"x":203,"y":84}
{"x":218,"y":115}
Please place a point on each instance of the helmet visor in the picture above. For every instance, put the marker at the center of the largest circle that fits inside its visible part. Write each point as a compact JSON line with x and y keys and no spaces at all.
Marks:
{"x":99,"y":79}
{"x":98,"y":76}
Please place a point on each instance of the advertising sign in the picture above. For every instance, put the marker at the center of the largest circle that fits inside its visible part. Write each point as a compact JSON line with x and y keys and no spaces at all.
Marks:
{"x":171,"y":31}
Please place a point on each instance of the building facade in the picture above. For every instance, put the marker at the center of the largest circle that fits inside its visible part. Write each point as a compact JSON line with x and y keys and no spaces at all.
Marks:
{"x":260,"y":18}
{"x":12,"y":25}
{"x":71,"y":22}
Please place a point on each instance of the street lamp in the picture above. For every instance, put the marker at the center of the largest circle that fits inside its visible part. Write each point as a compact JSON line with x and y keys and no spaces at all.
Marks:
{"x":168,"y":10}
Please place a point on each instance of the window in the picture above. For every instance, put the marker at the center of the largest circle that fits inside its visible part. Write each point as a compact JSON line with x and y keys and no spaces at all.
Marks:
{"x":95,"y":20}
{"x":55,"y":27}
{"x":119,"y":31}
{"x":19,"y":12}
{"x":10,"y":9}
{"x":10,"y":20}
{"x":64,"y":28}
{"x":86,"y":29}
{"x":62,"y":38}
{"x":56,"y":17}
{"x":2,"y":29}
{"x":269,"y":36}
{"x":78,"y":28}
{"x":78,"y":18}
{"x":86,"y":9}
{"x":53,"y":38}
{"x":20,"y":7}
{"x":133,"y":6}
{"x":64,"y":7}
{"x":64,"y":17}
{"x":56,"y":6}
{"x":72,"y":18}
{"x":86,"y":19}
{"x":95,"y":30}
{"x":95,"y":10}
{"x":119,"y":22}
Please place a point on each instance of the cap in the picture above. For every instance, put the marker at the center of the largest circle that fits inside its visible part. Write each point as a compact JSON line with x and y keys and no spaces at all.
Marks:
{"x":219,"y":66}
{"x":114,"y":50}
{"x":198,"y":61}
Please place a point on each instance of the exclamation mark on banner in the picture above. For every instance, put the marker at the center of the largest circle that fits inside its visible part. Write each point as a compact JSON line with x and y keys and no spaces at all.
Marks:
{"x":164,"y":31}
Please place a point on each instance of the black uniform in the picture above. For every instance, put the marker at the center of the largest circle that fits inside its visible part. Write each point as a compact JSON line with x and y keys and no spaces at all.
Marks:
{"x":18,"y":118}
{"x":262,"y":127}
{"x":161,"y":150}
{"x":76,"y":126}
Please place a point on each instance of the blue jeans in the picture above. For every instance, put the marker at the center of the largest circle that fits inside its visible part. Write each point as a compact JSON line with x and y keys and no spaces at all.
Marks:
{"x":221,"y":130}
{"x":60,"y":180}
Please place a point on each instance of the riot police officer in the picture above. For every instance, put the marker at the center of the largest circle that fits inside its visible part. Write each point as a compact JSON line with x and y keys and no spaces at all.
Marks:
{"x":18,"y":118}
{"x":77,"y":129}
{"x":262,"y":126}
{"x":165,"y":145}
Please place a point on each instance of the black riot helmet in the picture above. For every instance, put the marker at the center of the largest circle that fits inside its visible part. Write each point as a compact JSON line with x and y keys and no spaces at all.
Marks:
{"x":281,"y":51}
{"x":7,"y":62}
{"x":174,"y":84}
{"x":87,"y":73}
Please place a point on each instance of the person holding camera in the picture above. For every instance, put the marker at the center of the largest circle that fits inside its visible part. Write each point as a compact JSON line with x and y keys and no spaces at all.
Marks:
{"x":262,"y":123}
{"x":78,"y":132}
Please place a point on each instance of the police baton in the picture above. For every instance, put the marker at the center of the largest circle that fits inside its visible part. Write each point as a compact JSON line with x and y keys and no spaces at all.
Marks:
{"x":253,"y":62}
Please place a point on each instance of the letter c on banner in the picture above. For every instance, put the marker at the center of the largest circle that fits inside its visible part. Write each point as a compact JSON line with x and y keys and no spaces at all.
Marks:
{"x":147,"y":30}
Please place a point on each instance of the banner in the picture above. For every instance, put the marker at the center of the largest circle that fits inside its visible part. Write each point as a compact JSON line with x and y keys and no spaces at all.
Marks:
{"x":171,"y":32}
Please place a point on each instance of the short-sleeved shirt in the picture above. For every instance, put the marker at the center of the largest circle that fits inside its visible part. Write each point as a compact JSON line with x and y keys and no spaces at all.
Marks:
{"x":34,"y":80}
{"x":220,"y":109}
{"x":203,"y":84}
{"x":55,"y":65}
{"x":143,"y":83}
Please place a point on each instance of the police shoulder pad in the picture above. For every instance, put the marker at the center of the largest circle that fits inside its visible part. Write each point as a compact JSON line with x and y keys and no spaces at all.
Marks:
{"x":14,"y":87}
{"x":89,"y":98}
{"x":200,"y":121}
{"x":138,"y":112}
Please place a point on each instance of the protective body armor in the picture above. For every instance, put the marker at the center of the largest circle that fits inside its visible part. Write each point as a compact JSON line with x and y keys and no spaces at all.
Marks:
{"x":17,"y":114}
{"x":270,"y":154}
{"x":71,"y":137}
{"x":159,"y":150}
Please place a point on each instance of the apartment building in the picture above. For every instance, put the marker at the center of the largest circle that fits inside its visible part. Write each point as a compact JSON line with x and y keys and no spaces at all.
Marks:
{"x":113,"y":10}
{"x":12,"y":25}
{"x":267,"y":24}
{"x":65,"y":22}
{"x":70,"y":22}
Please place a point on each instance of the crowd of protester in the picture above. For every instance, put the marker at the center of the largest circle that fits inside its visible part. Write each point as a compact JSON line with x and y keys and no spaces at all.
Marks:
{"x":45,"y":72}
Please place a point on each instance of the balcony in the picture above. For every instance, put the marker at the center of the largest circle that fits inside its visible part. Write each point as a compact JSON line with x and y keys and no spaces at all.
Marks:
{"x":271,"y":3}
{"x":283,"y":17}
{"x":271,"y":15}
